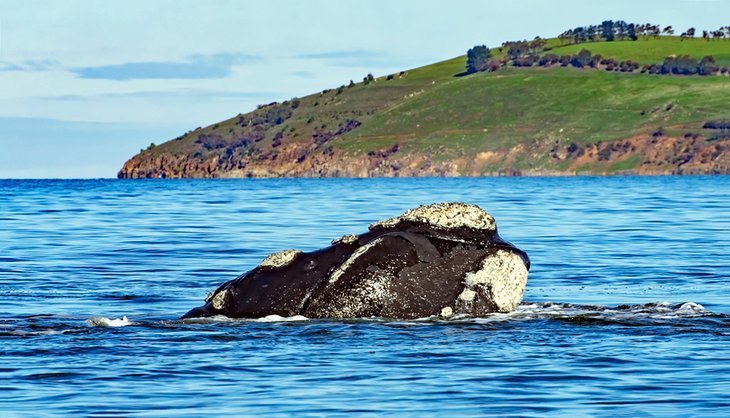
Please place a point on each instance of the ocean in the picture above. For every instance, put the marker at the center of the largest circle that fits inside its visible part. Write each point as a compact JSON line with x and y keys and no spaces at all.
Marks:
{"x":626,"y":311}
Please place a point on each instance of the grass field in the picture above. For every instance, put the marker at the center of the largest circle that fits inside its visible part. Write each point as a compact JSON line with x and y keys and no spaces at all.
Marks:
{"x":653,"y":51}
{"x":496,"y":110}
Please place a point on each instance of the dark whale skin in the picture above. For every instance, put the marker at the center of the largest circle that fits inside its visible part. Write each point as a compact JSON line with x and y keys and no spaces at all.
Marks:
{"x":406,"y":267}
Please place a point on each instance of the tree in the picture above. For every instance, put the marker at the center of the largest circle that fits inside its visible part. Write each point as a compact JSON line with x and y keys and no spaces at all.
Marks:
{"x":477,"y":59}
{"x":654,"y":30}
{"x":566,"y":36}
{"x":517,"y":49}
{"x":619,"y":29}
{"x":607,"y":30}
{"x":580,"y":34}
{"x":537,"y":44}
{"x":631,"y":31}
{"x":591,"y":33}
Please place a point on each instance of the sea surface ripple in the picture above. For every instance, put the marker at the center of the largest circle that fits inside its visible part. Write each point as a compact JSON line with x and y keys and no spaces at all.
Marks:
{"x":627,"y":308}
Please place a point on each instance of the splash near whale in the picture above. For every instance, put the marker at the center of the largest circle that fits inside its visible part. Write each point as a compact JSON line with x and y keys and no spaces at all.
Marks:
{"x":442,"y":259}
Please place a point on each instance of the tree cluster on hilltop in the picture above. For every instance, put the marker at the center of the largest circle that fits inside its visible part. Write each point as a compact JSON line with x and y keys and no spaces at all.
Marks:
{"x":533,"y":53}
{"x":619,"y":30}
{"x":721,"y":33}
{"x":608,"y":31}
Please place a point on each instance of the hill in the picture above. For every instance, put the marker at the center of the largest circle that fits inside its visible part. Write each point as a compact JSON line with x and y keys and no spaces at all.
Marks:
{"x":551,"y":119}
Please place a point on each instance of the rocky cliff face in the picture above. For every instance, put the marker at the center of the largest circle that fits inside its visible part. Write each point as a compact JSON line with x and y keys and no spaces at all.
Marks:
{"x":644,"y":155}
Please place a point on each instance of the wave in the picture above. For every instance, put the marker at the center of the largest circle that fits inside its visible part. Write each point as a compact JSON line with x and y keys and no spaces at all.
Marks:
{"x":222,"y":318}
{"x":687,"y":314}
{"x":25,"y":333}
{"x":101,"y":321}
{"x":641,"y":314}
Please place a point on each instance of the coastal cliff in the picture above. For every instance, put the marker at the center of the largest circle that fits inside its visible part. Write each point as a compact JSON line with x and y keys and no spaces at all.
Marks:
{"x":640,"y":156}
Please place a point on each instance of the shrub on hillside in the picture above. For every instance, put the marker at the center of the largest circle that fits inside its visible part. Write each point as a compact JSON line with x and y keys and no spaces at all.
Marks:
{"x":685,"y":65}
{"x":707,"y":66}
{"x":717,"y":124}
{"x":516,"y":50}
{"x":628,"y":66}
{"x":719,"y":135}
{"x":527,"y":61}
{"x":581,"y":59}
{"x":277,"y":139}
{"x":548,"y":60}
{"x":477,"y":59}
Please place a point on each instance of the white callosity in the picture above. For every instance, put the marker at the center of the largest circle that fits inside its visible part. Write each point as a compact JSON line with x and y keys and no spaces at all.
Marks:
{"x":467,"y":295}
{"x":280,"y":259}
{"x":445,"y":216}
{"x":219,"y":299}
{"x":345,"y":239}
{"x":504,"y":275}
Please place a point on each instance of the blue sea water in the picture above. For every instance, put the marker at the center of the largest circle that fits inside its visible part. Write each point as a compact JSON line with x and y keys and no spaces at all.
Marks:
{"x":627,"y":308}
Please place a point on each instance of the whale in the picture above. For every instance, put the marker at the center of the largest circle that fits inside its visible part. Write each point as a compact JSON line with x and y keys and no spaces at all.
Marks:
{"x":442,"y":259}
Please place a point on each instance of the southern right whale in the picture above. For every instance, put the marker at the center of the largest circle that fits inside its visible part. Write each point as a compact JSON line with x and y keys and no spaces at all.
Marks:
{"x":441,"y":259}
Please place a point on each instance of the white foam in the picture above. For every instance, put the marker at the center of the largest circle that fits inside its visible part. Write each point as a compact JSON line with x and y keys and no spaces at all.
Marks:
{"x":223,"y":318}
{"x":527,"y":311}
{"x":278,"y":318}
{"x":23,"y":333}
{"x":650,"y":311}
{"x":691,"y":308}
{"x":101,"y":321}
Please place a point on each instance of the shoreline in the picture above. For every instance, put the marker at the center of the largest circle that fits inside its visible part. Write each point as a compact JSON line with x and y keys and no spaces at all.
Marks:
{"x":426,"y":176}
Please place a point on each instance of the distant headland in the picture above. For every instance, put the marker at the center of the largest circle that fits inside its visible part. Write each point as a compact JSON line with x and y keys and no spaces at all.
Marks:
{"x":612,"y":98}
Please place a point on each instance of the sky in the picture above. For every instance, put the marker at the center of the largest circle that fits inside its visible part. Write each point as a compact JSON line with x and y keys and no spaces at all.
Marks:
{"x":84,"y":85}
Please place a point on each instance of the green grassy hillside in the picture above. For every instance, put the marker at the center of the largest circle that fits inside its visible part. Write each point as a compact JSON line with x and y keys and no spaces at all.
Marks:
{"x":654,"y":50}
{"x":487,"y":111}
{"x":437,"y":115}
